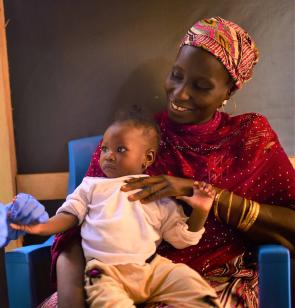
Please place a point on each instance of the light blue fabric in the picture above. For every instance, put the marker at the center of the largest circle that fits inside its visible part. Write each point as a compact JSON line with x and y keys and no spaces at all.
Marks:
{"x":25,"y":209}
{"x":3,"y":225}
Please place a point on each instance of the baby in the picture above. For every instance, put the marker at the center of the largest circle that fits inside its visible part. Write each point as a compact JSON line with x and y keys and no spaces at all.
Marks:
{"x":120,"y":237}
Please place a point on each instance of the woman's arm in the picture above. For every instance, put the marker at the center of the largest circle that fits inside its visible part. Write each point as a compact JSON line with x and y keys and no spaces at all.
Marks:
{"x":274,"y":224}
{"x":70,"y":276}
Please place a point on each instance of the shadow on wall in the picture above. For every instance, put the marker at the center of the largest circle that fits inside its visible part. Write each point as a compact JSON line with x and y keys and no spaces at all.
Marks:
{"x":143,"y":88}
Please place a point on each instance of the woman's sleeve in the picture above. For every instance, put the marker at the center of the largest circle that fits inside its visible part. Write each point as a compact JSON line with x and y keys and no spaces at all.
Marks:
{"x":269,"y":176}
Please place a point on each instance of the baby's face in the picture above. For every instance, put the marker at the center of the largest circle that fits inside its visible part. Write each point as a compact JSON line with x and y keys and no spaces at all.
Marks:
{"x":123,"y":151}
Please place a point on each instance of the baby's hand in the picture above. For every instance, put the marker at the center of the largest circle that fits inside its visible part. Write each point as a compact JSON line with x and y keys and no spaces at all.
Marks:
{"x":202,"y":198}
{"x":24,"y":210}
{"x":32,"y":229}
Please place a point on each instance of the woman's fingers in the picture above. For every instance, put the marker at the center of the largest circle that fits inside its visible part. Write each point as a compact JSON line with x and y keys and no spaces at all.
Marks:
{"x":165,"y":192}
{"x":148,"y":191}
{"x":156,"y":187}
{"x":137,"y":183}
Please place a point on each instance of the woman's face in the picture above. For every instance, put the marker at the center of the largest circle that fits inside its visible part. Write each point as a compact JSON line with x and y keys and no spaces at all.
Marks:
{"x":196,"y":86}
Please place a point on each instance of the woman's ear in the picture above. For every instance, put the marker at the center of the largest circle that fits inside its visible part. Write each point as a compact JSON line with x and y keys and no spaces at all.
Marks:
{"x":231,"y":89}
{"x":231,"y":92}
{"x":150,"y":157}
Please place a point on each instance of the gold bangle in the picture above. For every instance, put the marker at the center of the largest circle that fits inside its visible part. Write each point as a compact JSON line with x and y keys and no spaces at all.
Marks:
{"x":251,"y":216}
{"x":229,"y":207}
{"x":216,"y":202}
{"x":255,"y":214}
{"x":247,"y":218}
{"x":243,"y":213}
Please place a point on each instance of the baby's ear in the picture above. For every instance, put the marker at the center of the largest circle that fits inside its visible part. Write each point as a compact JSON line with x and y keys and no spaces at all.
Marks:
{"x":150,"y":157}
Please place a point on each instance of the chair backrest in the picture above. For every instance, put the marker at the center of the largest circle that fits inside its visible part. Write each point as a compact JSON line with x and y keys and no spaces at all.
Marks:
{"x":80,"y":152}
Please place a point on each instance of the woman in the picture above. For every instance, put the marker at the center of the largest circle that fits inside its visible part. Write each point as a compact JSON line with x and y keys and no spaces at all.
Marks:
{"x":241,"y":156}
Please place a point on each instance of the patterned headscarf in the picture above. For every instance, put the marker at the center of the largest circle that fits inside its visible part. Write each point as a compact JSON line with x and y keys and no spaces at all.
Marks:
{"x":229,"y":43}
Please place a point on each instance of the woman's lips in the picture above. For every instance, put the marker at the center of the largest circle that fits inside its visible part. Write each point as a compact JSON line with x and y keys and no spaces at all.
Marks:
{"x":175,"y":107}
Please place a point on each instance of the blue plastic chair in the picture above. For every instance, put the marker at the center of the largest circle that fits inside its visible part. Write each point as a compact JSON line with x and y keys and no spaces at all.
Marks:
{"x":80,"y":152}
{"x":274,"y":277}
{"x":28,"y":267}
{"x":23,"y":265}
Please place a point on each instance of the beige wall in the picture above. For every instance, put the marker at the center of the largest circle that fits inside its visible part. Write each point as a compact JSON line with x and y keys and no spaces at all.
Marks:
{"x":7,"y":153}
{"x":7,"y":147}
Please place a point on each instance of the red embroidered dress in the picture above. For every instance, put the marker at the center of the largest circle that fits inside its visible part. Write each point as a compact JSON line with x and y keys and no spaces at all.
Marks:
{"x":240,"y":153}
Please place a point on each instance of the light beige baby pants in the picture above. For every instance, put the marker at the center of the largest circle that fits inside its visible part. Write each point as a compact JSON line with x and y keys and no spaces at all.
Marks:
{"x":123,"y":286}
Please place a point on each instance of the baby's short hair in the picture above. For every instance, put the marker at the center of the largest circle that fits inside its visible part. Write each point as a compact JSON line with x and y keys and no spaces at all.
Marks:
{"x":140,"y":120}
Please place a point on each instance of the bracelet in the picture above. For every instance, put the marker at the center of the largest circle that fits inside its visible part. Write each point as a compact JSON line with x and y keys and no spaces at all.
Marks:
{"x":216,"y":202}
{"x":247,"y":223}
{"x":229,"y":207}
{"x":243,"y":213}
{"x":248,"y":217}
{"x":256,"y":210}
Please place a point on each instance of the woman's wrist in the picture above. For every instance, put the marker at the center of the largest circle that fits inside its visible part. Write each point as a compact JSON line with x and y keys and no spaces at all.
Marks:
{"x":236,"y":211}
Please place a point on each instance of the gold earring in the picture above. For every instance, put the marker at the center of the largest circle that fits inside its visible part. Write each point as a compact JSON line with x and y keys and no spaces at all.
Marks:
{"x":221,"y":107}
{"x":232,"y":103}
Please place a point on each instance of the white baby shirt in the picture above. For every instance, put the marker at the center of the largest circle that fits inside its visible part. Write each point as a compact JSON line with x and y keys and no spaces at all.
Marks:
{"x":117,"y":231}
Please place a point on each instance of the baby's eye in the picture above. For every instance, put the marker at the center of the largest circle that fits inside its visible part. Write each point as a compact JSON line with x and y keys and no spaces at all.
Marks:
{"x":121,"y":149}
{"x":104,"y":149}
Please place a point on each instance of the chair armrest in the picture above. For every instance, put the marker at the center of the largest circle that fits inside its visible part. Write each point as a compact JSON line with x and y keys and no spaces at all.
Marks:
{"x":28,"y":274}
{"x":274,"y":276}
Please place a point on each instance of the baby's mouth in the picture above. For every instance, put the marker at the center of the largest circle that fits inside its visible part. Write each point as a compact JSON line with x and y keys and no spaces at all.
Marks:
{"x":109,"y":166}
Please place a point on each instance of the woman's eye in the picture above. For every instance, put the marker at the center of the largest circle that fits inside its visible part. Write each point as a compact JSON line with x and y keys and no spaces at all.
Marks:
{"x":202,"y":86}
{"x":176,"y":76}
{"x":121,"y":149}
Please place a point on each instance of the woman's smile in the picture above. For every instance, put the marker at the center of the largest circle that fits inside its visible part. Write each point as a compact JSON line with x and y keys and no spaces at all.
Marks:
{"x":196,"y":86}
{"x":175,"y":107}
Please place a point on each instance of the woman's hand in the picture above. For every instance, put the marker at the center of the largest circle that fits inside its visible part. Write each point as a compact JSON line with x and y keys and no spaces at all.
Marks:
{"x":157,"y":187}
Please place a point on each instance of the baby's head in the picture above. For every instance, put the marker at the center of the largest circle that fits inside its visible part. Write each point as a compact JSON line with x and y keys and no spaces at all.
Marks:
{"x":129,"y":146}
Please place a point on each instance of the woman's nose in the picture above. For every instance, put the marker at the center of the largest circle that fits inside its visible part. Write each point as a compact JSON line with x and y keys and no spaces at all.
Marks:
{"x":181,"y":93}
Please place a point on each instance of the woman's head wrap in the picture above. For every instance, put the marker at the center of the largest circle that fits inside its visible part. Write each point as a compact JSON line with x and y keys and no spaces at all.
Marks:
{"x":229,"y":43}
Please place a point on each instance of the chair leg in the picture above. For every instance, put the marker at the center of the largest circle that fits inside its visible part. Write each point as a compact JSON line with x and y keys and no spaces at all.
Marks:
{"x":274,"y":277}
{"x":293,"y":281}
{"x":3,"y":284}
